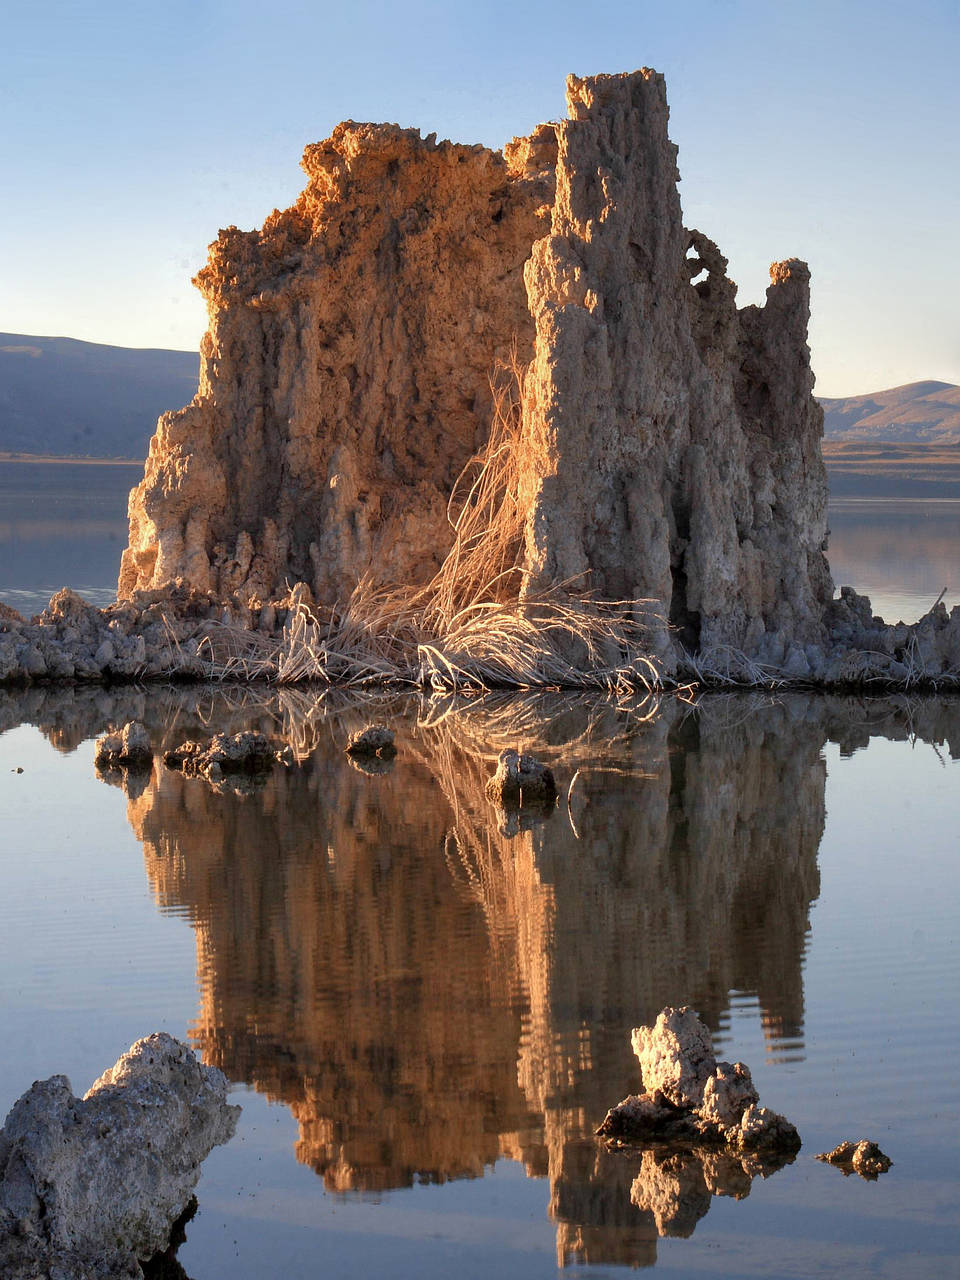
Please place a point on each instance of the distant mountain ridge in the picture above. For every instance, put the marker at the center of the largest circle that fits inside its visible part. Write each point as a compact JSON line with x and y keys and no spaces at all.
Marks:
{"x":62,"y":397}
{"x":918,"y":412}
{"x":65,"y":398}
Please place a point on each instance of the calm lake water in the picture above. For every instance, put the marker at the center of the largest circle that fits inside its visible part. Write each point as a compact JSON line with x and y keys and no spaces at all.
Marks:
{"x":425,"y":1008}
{"x":899,"y":552}
{"x":62,"y":525}
{"x":425,"y":1011}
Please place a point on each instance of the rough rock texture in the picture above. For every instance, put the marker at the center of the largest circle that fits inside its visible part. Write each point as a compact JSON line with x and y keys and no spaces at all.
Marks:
{"x":668,"y":448}
{"x":670,"y":444}
{"x":691,"y":1097}
{"x":244,"y":752}
{"x":863,"y":1157}
{"x":373,"y":740}
{"x":349,"y":352}
{"x":676,"y":1057}
{"x":93,"y":1185}
{"x":184,"y":633}
{"x":130,"y":748}
{"x":671,"y":441}
{"x":521,"y":780}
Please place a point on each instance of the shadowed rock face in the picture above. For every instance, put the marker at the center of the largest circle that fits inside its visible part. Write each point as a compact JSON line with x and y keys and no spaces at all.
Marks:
{"x":670,"y":443}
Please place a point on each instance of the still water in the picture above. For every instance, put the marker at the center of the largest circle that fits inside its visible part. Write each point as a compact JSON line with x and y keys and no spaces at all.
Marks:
{"x":901,"y":553}
{"x":425,"y":1006}
{"x":62,"y":525}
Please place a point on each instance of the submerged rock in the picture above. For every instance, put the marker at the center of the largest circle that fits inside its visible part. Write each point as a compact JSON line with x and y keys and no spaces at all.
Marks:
{"x":692,"y":1098}
{"x":128,"y":749}
{"x":374,"y":740}
{"x":863,"y":1157}
{"x":90,"y":1187}
{"x":245,"y":752}
{"x":520,"y":781}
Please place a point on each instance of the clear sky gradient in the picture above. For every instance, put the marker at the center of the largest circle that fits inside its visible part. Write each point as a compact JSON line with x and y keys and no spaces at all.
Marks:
{"x":131,"y":132}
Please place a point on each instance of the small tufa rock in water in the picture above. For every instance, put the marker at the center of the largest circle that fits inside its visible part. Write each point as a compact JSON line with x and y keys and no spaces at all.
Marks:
{"x":89,"y":1187}
{"x":245,"y":752}
{"x":374,"y":740}
{"x":521,"y":780}
{"x":128,"y":749}
{"x":694,"y":1099}
{"x":676,"y":1057}
{"x":862,"y":1157}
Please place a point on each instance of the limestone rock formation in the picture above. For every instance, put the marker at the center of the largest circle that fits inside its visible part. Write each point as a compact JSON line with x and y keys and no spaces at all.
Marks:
{"x":690,"y":1097}
{"x":244,"y":752}
{"x":89,"y":1187}
{"x":863,"y":1157}
{"x":670,"y":443}
{"x":344,"y":378}
{"x":130,"y":748}
{"x":372,"y":740}
{"x":520,"y":779}
{"x":676,"y":1057}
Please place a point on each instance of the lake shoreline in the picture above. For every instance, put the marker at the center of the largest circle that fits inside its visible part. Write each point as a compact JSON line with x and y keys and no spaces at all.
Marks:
{"x":183,"y":634}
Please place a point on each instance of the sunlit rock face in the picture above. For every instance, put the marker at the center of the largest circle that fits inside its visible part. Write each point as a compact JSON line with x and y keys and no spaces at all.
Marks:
{"x":344,"y":377}
{"x":89,"y":1186}
{"x":670,"y":442}
{"x":427,"y":994}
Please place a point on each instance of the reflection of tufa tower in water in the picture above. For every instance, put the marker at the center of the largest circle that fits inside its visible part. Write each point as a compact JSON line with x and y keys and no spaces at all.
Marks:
{"x":427,"y":995}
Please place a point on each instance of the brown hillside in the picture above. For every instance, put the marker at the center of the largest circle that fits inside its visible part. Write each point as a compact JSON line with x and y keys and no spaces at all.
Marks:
{"x":919,"y":411}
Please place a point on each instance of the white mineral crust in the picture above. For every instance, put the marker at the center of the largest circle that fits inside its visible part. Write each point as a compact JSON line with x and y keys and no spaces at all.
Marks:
{"x":95,"y":1184}
{"x":676,"y":1056}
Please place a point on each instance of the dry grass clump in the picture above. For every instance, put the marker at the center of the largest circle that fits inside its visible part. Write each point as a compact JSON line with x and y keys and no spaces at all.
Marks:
{"x":725,"y":665}
{"x":471,"y":626}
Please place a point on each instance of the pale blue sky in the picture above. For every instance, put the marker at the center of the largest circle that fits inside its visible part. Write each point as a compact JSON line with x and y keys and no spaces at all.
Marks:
{"x":828,"y":131}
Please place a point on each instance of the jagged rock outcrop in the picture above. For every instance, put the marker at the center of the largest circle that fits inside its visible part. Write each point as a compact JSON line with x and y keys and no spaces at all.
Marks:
{"x":863,"y":1157}
{"x":91,"y":1187}
{"x":246,"y":752}
{"x":128,"y":749}
{"x":670,"y":443}
{"x":344,"y":378}
{"x":691,"y":1098}
{"x":661,"y":454}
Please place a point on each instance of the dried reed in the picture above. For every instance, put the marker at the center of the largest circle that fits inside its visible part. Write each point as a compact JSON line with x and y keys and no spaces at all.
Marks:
{"x":470,"y":627}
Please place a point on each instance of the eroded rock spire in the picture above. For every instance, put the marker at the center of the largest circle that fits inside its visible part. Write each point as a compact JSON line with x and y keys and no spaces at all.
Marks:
{"x":669,"y":445}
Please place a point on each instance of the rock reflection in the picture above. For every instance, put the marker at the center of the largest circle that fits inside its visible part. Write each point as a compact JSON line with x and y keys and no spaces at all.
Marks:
{"x":427,"y":993}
